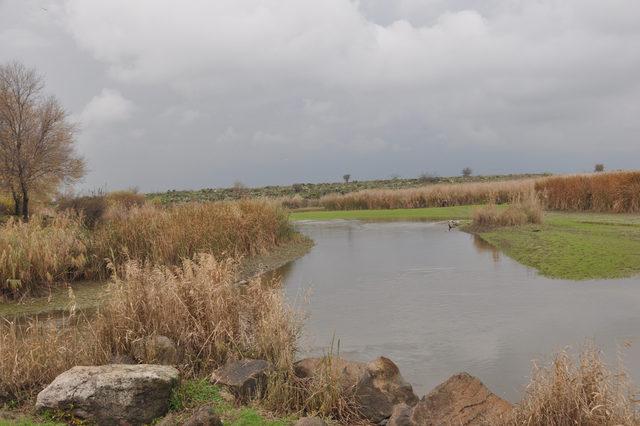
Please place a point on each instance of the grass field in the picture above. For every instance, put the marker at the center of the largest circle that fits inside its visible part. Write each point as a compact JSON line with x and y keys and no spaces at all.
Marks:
{"x":575,"y":246}
{"x":429,"y":213}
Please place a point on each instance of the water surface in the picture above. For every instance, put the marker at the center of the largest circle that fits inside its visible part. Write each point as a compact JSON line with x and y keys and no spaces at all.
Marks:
{"x":438,"y":302}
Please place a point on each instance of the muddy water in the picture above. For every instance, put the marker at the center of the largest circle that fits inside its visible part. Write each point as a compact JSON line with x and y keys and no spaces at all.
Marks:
{"x":438,"y":302}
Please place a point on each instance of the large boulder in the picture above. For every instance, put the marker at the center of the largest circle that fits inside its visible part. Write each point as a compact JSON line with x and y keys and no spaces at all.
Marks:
{"x":155,"y":349}
{"x":246,"y":378}
{"x":114,"y":394}
{"x":376,"y":386}
{"x":461,"y":400}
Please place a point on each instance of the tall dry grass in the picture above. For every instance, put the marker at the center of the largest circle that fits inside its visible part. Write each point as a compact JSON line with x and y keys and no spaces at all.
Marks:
{"x":49,"y":250}
{"x":616,"y":192}
{"x":521,"y":211}
{"x":41,"y":252}
{"x":168,"y":235}
{"x":438,"y":195}
{"x":581,"y":391}
{"x":200,"y":306}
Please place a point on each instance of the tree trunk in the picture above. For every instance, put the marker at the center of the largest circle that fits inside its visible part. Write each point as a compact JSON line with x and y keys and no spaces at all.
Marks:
{"x":25,"y":205}
{"x":17,"y":205}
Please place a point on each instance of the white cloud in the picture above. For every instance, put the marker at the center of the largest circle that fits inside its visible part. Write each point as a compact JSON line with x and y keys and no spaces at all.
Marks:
{"x":106,"y":108}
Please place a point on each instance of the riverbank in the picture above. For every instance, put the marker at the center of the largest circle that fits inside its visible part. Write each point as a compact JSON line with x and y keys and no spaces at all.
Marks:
{"x":577,"y":246}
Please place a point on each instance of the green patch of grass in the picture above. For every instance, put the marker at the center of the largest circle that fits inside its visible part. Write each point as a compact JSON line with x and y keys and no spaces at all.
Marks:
{"x":192,"y":393}
{"x":577,"y":246}
{"x":250,"y":417}
{"x":429,"y":213}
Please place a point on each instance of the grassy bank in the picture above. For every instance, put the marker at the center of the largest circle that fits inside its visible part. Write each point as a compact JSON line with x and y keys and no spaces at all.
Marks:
{"x":429,"y":213}
{"x":576,"y":246}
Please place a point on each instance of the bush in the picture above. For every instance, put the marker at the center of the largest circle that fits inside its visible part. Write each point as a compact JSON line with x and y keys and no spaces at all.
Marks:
{"x":91,"y":208}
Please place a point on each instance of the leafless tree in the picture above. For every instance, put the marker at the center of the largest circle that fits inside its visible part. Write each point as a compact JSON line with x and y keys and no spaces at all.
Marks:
{"x":346,"y":178}
{"x":466,"y":172}
{"x":36,"y":138}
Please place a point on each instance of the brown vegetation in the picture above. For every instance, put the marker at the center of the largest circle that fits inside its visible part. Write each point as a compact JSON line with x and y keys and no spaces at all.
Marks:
{"x":577,"y":392}
{"x":616,"y":192}
{"x":438,"y":195}
{"x":520,"y":212}
{"x":58,"y":249}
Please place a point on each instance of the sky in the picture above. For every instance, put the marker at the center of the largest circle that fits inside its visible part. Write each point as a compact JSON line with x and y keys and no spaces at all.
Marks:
{"x":202,"y":93}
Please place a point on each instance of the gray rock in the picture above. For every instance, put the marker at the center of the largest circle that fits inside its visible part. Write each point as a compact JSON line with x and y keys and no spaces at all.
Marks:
{"x":155,"y":350}
{"x":113,"y":394}
{"x":310,"y":421}
{"x":376,"y":386}
{"x":204,"y":416}
{"x":400,"y":416}
{"x":246,"y":378}
{"x":461,"y":400}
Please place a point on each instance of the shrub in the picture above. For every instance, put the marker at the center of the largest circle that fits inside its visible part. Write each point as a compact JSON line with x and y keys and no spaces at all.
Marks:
{"x":42,"y":251}
{"x":577,"y":392}
{"x":91,"y":208}
{"x":599,"y":168}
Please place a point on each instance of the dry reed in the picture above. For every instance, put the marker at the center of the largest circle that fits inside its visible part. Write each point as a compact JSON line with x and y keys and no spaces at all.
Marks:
{"x":522,"y":211}
{"x":571,"y":392}
{"x":615,"y":192}
{"x":438,"y":195}
{"x":40,"y":252}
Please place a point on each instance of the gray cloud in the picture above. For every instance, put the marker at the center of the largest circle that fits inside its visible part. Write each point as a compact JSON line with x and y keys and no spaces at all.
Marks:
{"x":275,"y":91}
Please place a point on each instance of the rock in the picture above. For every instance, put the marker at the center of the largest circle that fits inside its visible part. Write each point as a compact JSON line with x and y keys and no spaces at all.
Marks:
{"x":113,"y":394}
{"x":156,"y":350}
{"x":310,"y":421}
{"x":246,"y":378}
{"x":400,"y":416}
{"x":461,"y":400}
{"x":204,"y":416}
{"x":376,"y":386}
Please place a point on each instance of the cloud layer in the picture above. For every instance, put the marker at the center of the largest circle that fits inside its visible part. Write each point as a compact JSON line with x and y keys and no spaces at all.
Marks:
{"x":288,"y":90}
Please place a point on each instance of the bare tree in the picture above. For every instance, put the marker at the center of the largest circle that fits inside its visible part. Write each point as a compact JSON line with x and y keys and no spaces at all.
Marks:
{"x":36,"y":139}
{"x":346,"y":178}
{"x":466,"y":172}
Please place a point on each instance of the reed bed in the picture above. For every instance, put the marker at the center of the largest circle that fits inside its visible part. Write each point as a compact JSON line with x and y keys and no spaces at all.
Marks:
{"x":520,"y":212}
{"x":581,"y":391}
{"x":41,"y":252}
{"x":438,"y":195}
{"x":614,"y":192}
{"x":48,"y":250}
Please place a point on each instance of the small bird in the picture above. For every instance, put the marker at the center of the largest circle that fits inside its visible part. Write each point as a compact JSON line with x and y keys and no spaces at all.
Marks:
{"x":453,"y":224}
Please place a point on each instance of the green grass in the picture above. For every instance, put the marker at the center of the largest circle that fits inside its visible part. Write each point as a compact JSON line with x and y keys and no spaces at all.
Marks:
{"x":198,"y":392}
{"x":429,"y":213}
{"x":576,"y":246}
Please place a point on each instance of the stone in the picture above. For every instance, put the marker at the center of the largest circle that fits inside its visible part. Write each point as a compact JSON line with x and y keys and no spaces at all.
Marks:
{"x":113,"y":394}
{"x":376,"y":386}
{"x":461,"y":400}
{"x":155,"y":349}
{"x":204,"y":416}
{"x":246,"y":378}
{"x":310,"y":421}
{"x":400,"y":415}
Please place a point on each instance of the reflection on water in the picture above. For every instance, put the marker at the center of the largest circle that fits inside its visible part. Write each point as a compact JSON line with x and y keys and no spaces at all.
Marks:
{"x":438,"y":302}
{"x":484,"y":247}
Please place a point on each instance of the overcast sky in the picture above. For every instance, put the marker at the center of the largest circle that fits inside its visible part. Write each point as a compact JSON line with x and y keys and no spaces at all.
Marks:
{"x":200,"y":93}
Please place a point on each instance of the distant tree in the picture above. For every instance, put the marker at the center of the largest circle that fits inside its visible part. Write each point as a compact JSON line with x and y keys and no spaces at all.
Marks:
{"x":346,"y":178}
{"x":239,"y":188}
{"x":599,"y":167}
{"x":466,"y":172}
{"x":428,"y":178}
{"x":37,"y":152}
